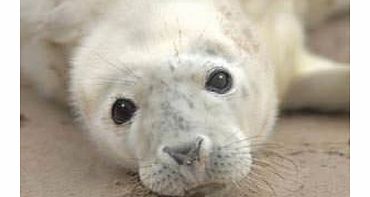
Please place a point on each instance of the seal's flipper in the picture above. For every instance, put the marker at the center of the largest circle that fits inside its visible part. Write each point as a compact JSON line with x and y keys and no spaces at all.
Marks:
{"x":320,"y":84}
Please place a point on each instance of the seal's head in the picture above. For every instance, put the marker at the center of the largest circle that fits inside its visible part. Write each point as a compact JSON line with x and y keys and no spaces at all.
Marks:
{"x":182,"y":109}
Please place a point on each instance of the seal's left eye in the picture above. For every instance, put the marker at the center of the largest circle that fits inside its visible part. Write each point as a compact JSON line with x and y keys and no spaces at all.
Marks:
{"x":219,"y":81}
{"x":123,"y":110}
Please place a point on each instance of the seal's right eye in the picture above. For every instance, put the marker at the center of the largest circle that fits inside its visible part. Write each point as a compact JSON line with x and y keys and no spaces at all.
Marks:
{"x":123,"y":110}
{"x":219,"y":81}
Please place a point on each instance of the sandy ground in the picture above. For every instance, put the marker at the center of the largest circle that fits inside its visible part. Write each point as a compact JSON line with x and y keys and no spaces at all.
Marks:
{"x":56,"y":159}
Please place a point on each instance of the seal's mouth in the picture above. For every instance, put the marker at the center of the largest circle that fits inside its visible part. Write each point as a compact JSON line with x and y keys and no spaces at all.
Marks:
{"x":204,"y":188}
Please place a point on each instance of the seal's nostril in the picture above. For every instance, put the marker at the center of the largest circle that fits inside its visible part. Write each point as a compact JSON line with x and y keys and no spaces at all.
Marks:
{"x":179,"y":155}
{"x":186,"y":153}
{"x":198,"y":143}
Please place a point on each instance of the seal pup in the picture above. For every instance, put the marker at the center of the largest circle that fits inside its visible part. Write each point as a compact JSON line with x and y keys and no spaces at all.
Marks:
{"x":177,"y":90}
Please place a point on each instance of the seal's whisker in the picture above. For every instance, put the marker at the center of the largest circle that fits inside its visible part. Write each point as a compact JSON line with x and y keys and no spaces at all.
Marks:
{"x":264,"y":145}
{"x":104,"y":83}
{"x":268,"y":184}
{"x":233,"y":134}
{"x":260,"y":178}
{"x":149,"y":165}
{"x":270,"y":153}
{"x":258,"y":185}
{"x":258,"y":164}
{"x":125,"y":70}
{"x":271,"y":172}
{"x":251,"y":185}
{"x":280,"y":169}
{"x":239,"y":188}
{"x":113,"y":79}
{"x":243,"y":139}
{"x":267,"y":167}
{"x":274,"y":169}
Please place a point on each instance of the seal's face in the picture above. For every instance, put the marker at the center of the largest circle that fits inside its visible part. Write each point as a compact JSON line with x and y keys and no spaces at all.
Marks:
{"x":186,"y":123}
{"x":184,"y":118}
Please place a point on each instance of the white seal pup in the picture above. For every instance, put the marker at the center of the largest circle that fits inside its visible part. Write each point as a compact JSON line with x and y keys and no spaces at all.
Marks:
{"x":176,"y":90}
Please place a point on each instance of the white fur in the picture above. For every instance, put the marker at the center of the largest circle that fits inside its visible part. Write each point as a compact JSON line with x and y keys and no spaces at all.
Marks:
{"x":158,"y":54}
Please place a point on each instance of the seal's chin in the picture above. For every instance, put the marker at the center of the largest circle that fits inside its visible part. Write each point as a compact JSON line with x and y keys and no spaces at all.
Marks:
{"x":205,"y":188}
{"x":191,"y":184}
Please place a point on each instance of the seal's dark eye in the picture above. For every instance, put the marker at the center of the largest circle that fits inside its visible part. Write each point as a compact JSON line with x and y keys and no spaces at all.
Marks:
{"x":123,"y":110}
{"x":219,"y":81}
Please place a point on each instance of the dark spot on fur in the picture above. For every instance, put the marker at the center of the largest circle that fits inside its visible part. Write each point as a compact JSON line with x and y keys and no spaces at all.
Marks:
{"x":210,"y":51}
{"x":244,"y":92}
{"x":180,"y":119}
{"x":172,"y":68}
{"x":181,"y":126}
{"x":191,"y":104}
{"x":151,"y":88}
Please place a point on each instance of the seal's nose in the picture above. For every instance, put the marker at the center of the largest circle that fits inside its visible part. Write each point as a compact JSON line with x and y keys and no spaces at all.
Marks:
{"x":185,"y":154}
